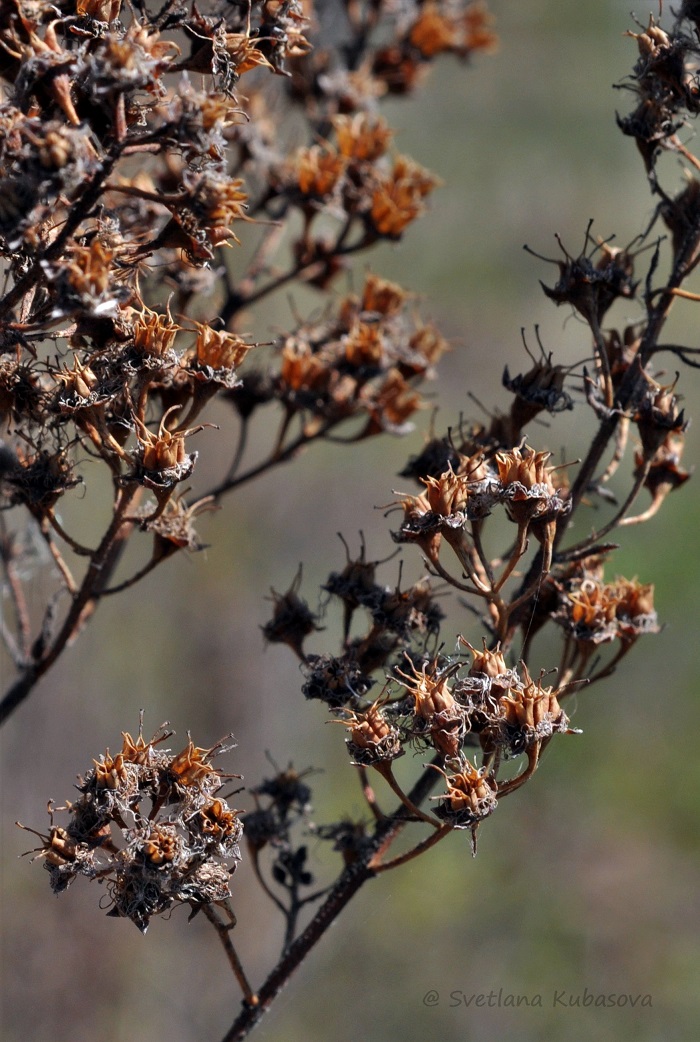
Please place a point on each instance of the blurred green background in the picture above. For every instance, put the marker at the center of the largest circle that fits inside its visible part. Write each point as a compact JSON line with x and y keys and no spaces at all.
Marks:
{"x":588,"y":878}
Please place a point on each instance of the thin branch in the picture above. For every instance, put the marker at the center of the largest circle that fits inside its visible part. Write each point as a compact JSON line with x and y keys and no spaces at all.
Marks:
{"x":255,"y":861}
{"x":103,"y":562}
{"x":277,"y":457}
{"x":351,"y":880}
{"x":238,"y":300}
{"x":420,"y":848}
{"x":615,"y":520}
{"x":223,"y":930}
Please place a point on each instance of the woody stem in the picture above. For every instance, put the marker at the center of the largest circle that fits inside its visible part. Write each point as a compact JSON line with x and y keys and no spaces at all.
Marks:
{"x":354,"y":876}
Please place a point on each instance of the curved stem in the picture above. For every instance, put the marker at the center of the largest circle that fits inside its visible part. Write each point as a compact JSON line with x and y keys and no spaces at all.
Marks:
{"x":255,"y":861}
{"x":238,"y":300}
{"x":420,"y":848}
{"x":615,"y":520}
{"x":603,"y":361}
{"x":456,"y":543}
{"x":434,"y":563}
{"x":518,"y":552}
{"x":533,"y":756}
{"x":384,"y":768}
{"x":76,"y":547}
{"x":136,"y":577}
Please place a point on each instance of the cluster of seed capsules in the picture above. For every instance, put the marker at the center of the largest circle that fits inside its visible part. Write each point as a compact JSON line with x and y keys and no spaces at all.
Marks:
{"x":439,"y":704}
{"x":152,"y":826}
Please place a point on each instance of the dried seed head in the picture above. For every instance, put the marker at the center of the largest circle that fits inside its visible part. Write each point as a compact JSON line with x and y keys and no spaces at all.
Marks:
{"x":173,"y":529}
{"x":430,"y":691}
{"x":588,"y":610}
{"x":526,"y":468}
{"x":100,"y":10}
{"x":398,"y":199}
{"x":425,"y":349}
{"x":437,"y":31}
{"x":361,"y":137}
{"x":490,"y":662}
{"x":373,"y":739}
{"x":337,"y":681}
{"x":111,"y":773}
{"x":433,"y":33}
{"x":436,"y":714}
{"x":397,"y":70}
{"x":656,"y":415}
{"x":40,"y":479}
{"x":317,"y":171}
{"x":635,"y":610}
{"x":494,"y":678}
{"x":437,"y":456}
{"x":664,"y":473}
{"x":216,"y":820}
{"x":151,"y":824}
{"x":287,"y":790}
{"x":364,"y":347}
{"x":216,"y":357}
{"x":193,"y":767}
{"x":422,"y":526}
{"x":540,"y":389}
{"x":531,"y":713}
{"x":470,"y":797}
{"x":216,"y":202}
{"x":662,"y":63}
{"x":390,"y":404}
{"x":292,"y":620}
{"x":407,"y":612}
{"x":592,"y":289}
{"x":447,"y":495}
{"x":153,"y":337}
{"x":160,"y":459}
{"x":354,"y":586}
{"x":382,"y":297}
{"x":527,"y":487}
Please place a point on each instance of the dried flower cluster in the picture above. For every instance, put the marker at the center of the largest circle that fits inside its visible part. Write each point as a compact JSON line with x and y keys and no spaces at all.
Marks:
{"x":361,"y":364}
{"x":131,"y":155}
{"x":439,"y":705}
{"x":178,"y":839}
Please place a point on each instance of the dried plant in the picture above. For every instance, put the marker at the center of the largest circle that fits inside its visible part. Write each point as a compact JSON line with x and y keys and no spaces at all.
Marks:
{"x":124,"y":317}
